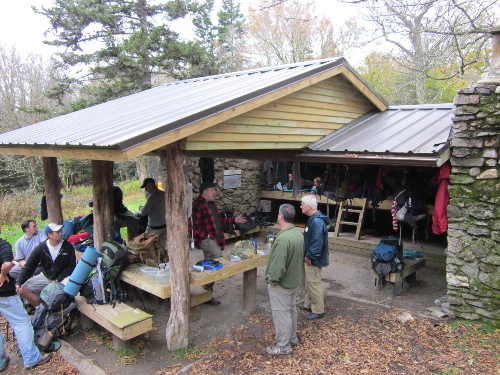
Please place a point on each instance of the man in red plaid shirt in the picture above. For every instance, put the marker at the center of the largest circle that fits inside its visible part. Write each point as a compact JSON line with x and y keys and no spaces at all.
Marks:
{"x":207,"y":226}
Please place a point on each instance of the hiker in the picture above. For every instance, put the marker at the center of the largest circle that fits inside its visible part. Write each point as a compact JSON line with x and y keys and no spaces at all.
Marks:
{"x":283,"y":276}
{"x":24,"y":246}
{"x":315,"y":256}
{"x":13,"y":311}
{"x":155,"y":211}
{"x":207,"y":227}
{"x":122,"y":213}
{"x":58,"y":260}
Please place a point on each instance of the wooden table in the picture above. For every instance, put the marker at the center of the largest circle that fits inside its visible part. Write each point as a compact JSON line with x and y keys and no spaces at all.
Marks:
{"x":133,"y":276}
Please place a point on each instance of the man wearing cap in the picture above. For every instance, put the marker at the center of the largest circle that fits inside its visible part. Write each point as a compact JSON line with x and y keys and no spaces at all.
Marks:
{"x":12,"y":310}
{"x":58,"y":260}
{"x":155,"y":210}
{"x":25,"y":245}
{"x":207,"y":226}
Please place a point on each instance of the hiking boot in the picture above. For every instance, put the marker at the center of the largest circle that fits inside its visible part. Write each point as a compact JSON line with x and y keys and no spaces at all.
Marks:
{"x":7,"y":359}
{"x":212,"y":302}
{"x":278,"y":350}
{"x":314,"y":316}
{"x":303,"y":308}
{"x":43,"y":359}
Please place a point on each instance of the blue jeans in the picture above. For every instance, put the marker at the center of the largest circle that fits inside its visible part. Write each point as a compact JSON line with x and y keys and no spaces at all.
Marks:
{"x":12,"y":310}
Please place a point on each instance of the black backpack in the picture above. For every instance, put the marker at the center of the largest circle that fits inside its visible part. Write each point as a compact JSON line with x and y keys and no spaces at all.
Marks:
{"x":386,"y":258}
{"x":52,"y":317}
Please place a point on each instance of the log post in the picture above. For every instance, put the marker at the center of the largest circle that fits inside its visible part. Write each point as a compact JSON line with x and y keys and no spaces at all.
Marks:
{"x":102,"y":181}
{"x":52,"y":190}
{"x":177,"y":332}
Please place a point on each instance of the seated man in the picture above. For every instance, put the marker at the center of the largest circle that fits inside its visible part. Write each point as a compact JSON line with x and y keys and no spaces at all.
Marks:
{"x":25,"y":245}
{"x":121,"y":213}
{"x":58,"y":260}
{"x":155,"y":211}
{"x":317,"y":187}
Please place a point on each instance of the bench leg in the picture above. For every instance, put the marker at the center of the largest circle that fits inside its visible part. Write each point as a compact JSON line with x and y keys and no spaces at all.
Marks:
{"x":86,"y":322}
{"x":119,"y":344}
{"x":250,"y":290}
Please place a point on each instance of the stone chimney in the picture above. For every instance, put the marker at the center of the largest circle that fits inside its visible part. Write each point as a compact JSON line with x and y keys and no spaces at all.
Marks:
{"x":492,"y":76}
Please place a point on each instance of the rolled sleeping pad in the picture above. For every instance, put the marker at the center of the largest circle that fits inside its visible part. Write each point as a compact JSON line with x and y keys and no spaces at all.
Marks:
{"x":81,"y":271}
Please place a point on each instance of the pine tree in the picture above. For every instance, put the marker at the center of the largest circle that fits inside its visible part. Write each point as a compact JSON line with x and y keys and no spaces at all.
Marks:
{"x":117,"y":46}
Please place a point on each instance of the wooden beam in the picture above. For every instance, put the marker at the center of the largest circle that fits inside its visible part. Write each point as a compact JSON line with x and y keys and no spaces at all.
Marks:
{"x":245,"y":145}
{"x":102,"y":182}
{"x":52,"y":190}
{"x":86,"y":153}
{"x":351,"y":77}
{"x":176,"y":196}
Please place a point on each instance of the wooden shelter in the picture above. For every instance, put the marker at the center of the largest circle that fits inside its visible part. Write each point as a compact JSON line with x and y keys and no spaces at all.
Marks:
{"x":256,"y":114}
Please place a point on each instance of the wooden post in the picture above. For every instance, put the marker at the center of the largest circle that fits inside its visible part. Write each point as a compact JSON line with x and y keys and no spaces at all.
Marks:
{"x":177,"y":332}
{"x":52,"y":190}
{"x":250,"y":290}
{"x":102,"y":181}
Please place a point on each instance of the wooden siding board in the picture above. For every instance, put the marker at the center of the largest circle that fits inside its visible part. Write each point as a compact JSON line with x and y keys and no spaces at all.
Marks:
{"x":200,"y":146}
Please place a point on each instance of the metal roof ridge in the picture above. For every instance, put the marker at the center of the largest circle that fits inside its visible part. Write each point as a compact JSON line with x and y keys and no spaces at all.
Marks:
{"x":256,"y":70}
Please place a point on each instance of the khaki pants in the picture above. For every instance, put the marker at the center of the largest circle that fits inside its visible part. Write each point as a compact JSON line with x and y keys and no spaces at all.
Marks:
{"x":210,"y":251}
{"x":283,"y":306}
{"x":314,"y":290}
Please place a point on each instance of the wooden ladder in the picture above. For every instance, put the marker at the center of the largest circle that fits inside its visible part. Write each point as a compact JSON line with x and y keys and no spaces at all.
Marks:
{"x":351,"y":208}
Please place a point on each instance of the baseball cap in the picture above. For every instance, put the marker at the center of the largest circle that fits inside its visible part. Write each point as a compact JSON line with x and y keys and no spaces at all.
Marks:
{"x":206,"y":185}
{"x":147,"y":181}
{"x":52,"y":227}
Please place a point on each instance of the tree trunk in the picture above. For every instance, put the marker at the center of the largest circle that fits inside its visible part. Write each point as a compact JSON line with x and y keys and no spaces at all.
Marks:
{"x":52,"y":190}
{"x":102,"y":181}
{"x":177,"y":331}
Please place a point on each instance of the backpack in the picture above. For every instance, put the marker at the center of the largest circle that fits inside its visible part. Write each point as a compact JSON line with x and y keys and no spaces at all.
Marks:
{"x":387,"y":258}
{"x":53,"y":316}
{"x":101,"y":287}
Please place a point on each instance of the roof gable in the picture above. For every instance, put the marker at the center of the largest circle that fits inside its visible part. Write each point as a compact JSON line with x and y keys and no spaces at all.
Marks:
{"x":143,"y":122}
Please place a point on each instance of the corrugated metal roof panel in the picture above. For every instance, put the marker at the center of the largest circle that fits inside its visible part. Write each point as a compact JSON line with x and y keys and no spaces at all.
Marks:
{"x":419,"y":129}
{"x":137,"y":118}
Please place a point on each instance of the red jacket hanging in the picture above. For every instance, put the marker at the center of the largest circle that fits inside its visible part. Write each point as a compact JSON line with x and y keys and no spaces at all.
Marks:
{"x":440,"y":216}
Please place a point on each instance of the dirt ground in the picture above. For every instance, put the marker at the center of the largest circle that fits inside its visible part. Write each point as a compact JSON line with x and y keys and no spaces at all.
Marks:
{"x":348,"y":282}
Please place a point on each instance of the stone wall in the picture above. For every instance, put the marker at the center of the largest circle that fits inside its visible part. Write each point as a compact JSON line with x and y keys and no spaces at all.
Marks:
{"x":241,"y":200}
{"x":473,"y":263}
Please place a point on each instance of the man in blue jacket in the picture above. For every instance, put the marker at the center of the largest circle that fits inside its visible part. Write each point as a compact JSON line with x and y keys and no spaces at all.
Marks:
{"x":315,"y":257}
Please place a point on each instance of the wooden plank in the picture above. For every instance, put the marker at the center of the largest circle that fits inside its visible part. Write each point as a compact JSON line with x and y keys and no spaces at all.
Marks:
{"x":132,"y":275}
{"x":238,"y":233}
{"x":229,"y":269}
{"x":101,"y":313}
{"x":329,"y":112}
{"x":250,"y":137}
{"x":259,"y":113}
{"x":266,"y":129}
{"x":193,"y":146}
{"x":60,"y":152}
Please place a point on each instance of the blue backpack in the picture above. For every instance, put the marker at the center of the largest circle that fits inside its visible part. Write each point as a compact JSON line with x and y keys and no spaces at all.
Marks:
{"x":387,"y":258}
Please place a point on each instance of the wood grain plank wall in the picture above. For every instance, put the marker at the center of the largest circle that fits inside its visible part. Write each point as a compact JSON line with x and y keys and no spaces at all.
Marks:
{"x":291,"y":122}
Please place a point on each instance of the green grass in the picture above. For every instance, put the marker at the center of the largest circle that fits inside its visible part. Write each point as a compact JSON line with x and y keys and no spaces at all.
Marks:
{"x":190,"y":353}
{"x":15,"y":208}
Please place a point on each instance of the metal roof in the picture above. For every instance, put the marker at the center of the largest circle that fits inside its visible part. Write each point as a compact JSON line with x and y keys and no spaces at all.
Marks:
{"x":410,"y":134}
{"x":138,"y":118}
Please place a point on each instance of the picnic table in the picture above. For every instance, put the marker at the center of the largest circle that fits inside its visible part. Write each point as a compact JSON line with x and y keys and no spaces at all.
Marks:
{"x":133,"y":276}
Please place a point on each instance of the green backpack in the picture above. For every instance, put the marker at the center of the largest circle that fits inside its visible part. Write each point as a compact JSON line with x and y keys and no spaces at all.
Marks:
{"x":114,"y":260}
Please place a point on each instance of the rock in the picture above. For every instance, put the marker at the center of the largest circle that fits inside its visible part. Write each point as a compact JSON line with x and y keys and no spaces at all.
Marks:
{"x":437,"y":302}
{"x":437,"y":312}
{"x":405,"y":318}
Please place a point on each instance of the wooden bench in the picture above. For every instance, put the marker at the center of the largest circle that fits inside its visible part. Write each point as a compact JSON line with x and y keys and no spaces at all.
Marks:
{"x":238,"y":233}
{"x":101,"y":314}
{"x":396,"y":282}
{"x":246,"y":266}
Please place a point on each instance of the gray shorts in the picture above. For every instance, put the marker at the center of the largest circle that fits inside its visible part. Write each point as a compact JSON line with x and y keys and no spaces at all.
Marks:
{"x":37,"y":283}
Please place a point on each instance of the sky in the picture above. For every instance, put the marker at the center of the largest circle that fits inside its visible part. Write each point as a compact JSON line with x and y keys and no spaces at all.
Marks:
{"x":22,"y":27}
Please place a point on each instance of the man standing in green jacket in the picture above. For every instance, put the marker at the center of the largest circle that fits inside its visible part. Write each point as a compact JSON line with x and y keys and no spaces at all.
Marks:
{"x":283,"y":275}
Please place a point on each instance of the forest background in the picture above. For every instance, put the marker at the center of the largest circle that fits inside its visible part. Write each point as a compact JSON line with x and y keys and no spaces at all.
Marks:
{"x":410,"y":51}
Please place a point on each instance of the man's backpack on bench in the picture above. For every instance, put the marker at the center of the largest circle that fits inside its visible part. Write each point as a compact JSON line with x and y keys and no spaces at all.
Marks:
{"x":386,"y":258}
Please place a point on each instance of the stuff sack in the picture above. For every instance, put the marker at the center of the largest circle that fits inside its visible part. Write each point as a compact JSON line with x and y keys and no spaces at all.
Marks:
{"x":386,"y":258}
{"x":53,"y":316}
